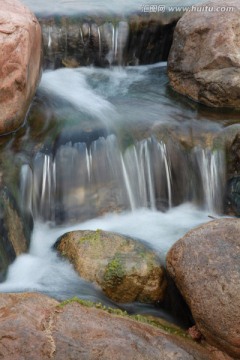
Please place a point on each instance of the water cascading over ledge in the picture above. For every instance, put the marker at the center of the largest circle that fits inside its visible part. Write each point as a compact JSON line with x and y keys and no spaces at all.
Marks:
{"x":105,"y":40}
{"x":84,"y":181}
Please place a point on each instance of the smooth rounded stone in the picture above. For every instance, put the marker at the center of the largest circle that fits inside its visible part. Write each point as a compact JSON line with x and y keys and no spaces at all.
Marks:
{"x":204,"y":62}
{"x":124,"y":268}
{"x":34,"y":326}
{"x":20,"y":62}
{"x":205,"y":267}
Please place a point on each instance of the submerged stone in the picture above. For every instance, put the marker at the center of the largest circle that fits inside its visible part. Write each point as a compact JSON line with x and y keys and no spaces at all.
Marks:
{"x":125,"y":269}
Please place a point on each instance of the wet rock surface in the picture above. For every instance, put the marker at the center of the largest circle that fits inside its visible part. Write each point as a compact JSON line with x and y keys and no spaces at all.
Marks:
{"x":229,"y":138}
{"x":204,"y":59}
{"x":205,"y":267}
{"x":15,"y":231}
{"x":124,"y":268}
{"x":20,"y":47}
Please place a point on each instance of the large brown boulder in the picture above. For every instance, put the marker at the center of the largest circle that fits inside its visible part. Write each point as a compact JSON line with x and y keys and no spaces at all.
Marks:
{"x":205,"y":267}
{"x":204,"y":62}
{"x":34,"y":326}
{"x":20,"y":49}
{"x":124,"y":268}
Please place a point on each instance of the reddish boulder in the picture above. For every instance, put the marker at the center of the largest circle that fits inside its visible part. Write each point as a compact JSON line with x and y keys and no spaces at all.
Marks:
{"x":204,"y":62}
{"x":205,"y":267}
{"x":20,"y":60}
{"x":34,"y":326}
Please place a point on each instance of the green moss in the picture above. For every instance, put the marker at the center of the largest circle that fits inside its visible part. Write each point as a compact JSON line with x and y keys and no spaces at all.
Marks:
{"x":114,"y":272}
{"x":91,"y":237}
{"x":168,"y":328}
{"x":157,"y":323}
{"x":91,"y":304}
{"x":142,"y":254}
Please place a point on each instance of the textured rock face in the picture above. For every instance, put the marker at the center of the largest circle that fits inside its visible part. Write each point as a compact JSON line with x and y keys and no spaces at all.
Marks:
{"x":124,"y":268}
{"x":205,"y":267}
{"x":20,"y":48}
{"x":204,"y":62}
{"x":34,"y":326}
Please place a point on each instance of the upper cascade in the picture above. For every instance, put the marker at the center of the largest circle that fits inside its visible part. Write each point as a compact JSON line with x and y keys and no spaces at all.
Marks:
{"x":103,"y":41}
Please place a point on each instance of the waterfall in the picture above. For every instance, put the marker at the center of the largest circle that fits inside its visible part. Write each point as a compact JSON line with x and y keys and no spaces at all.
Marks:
{"x":124,"y":40}
{"x":211,"y":167}
{"x":82,"y":181}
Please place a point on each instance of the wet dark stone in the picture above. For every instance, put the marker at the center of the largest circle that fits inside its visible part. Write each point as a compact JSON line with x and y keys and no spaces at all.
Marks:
{"x":149,"y":43}
{"x":15,"y":231}
{"x":175,"y":305}
{"x":233,"y":196}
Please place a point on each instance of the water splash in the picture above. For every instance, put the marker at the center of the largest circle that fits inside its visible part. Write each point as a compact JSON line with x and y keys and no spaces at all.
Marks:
{"x":72,"y":88}
{"x":43,"y":270}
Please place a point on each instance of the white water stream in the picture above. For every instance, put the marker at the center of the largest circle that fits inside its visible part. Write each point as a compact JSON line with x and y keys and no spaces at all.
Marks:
{"x":43,"y":270}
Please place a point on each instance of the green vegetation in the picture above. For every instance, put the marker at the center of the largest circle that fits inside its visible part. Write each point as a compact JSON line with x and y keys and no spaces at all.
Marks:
{"x":91,"y":237}
{"x":114,"y":271}
{"x":91,"y":304}
{"x":158,"y":323}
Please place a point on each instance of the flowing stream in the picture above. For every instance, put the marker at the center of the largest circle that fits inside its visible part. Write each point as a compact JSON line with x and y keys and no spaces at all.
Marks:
{"x":108,"y":148}
{"x":95,"y":6}
{"x":103,"y":153}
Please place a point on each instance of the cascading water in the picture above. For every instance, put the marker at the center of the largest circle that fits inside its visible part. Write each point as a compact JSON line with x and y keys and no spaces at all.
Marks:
{"x":134,"y":177}
{"x":211,"y":167}
{"x":138,"y":177}
{"x":108,"y":157}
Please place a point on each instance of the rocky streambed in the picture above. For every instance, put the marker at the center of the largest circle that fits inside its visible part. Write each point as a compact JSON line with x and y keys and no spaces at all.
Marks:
{"x":193,"y":290}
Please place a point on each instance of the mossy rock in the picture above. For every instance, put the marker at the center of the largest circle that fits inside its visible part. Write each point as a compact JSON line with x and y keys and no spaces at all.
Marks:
{"x":162,"y":324}
{"x":126,"y":269}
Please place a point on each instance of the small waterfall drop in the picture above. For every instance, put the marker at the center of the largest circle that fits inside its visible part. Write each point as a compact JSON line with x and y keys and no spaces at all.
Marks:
{"x":211,"y":167}
{"x":104,"y":41}
{"x":80,"y":181}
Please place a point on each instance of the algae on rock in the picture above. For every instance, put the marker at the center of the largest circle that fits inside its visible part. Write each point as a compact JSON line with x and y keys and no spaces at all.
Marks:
{"x":125,"y":269}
